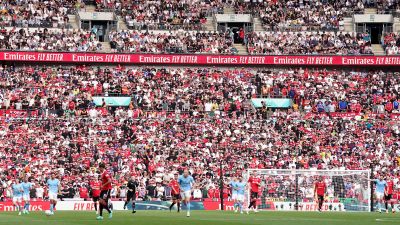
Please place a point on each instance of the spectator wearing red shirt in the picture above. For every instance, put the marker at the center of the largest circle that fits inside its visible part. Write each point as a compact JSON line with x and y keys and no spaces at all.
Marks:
{"x":83,"y":192}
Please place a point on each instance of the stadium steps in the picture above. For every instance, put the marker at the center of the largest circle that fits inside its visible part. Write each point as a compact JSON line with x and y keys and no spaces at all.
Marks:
{"x":257,"y":24}
{"x":348,"y":24}
{"x":122,"y":24}
{"x":73,"y":21}
{"x":378,"y":49}
{"x":210,"y":24}
{"x":90,"y":8}
{"x":241,"y":48}
{"x":106,"y":47}
{"x":370,"y":11}
{"x":396,"y":24}
{"x":229,"y":10}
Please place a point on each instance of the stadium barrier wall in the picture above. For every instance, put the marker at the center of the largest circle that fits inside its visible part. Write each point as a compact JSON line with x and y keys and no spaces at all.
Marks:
{"x":143,"y":205}
{"x":13,"y":113}
{"x":171,"y":59}
{"x":118,"y":205}
{"x":8,"y":206}
{"x":164,"y":205}
{"x":349,"y":115}
{"x":304,"y":206}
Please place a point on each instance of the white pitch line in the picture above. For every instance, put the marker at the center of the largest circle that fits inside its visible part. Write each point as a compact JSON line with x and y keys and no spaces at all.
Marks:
{"x":272,"y":219}
{"x":387,"y":220}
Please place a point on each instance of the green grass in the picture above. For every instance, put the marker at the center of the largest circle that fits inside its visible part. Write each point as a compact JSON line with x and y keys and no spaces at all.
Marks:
{"x":201,"y":218}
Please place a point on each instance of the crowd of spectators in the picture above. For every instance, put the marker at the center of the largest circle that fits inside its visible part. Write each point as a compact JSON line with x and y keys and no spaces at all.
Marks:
{"x":303,"y":15}
{"x":391,"y":43}
{"x":386,"y":6}
{"x":308,"y":43}
{"x":134,"y":41}
{"x":164,"y":15}
{"x":193,"y":118}
{"x":274,"y":14}
{"x":277,"y":43}
{"x":37,"y":13}
{"x":191,"y":15}
{"x":49,"y":40}
{"x":176,"y":42}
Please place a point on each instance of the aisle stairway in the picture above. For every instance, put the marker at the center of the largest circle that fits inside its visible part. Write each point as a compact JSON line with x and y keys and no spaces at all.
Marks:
{"x":209,"y":25}
{"x":241,"y":48}
{"x":370,"y":11}
{"x":106,"y":47}
{"x":378,"y":49}
{"x":229,"y":10}
{"x":73,"y":21}
{"x":258,"y":24}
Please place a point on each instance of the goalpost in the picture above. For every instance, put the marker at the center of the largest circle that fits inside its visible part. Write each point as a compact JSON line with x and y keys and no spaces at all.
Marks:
{"x":291,"y":189}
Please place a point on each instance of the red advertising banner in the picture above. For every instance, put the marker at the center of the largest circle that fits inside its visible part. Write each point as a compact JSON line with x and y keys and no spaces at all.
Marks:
{"x":19,"y":113}
{"x":350,"y":115}
{"x":8,"y":206}
{"x":215,"y":205}
{"x":199,"y":59}
{"x":395,"y":116}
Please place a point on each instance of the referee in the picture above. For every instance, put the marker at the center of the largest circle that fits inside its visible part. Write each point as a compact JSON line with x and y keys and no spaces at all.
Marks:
{"x":131,"y":195}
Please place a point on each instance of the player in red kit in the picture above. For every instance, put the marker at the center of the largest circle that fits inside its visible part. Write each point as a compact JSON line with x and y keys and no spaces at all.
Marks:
{"x":95,"y":187}
{"x":388,"y":194}
{"x":319,"y":191}
{"x":175,"y":191}
{"x":105,"y":191}
{"x":255,"y":183}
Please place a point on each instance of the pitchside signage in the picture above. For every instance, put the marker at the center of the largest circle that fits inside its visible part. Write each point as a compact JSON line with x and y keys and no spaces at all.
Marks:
{"x":199,"y":59}
{"x":164,"y":205}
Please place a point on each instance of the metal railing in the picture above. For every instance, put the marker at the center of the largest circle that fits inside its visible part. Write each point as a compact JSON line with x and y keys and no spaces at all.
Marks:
{"x":41,"y":24}
{"x":171,"y":114}
{"x":166,"y":26}
{"x":294,"y":27}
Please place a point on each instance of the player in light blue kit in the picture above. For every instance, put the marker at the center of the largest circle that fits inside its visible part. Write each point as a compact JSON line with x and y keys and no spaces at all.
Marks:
{"x":241,"y":188}
{"x":233,"y":185}
{"x":186,"y":183}
{"x":17,"y":195}
{"x":26,"y":186}
{"x":54,"y":187}
{"x":380,"y":185}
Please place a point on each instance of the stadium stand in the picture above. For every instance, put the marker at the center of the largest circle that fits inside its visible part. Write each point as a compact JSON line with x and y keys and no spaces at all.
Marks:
{"x":391,"y":43}
{"x":49,"y":40}
{"x":169,"y":126}
{"x":186,"y":116}
{"x":277,"y":43}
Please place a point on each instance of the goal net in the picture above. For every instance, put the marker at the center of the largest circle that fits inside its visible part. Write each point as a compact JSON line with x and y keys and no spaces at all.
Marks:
{"x":347,"y":190}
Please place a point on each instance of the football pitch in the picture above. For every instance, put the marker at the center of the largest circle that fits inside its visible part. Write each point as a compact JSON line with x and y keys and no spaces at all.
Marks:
{"x":201,"y":218}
